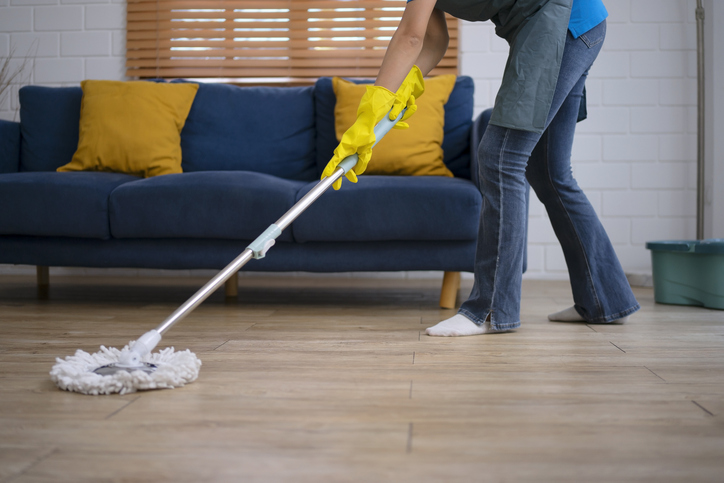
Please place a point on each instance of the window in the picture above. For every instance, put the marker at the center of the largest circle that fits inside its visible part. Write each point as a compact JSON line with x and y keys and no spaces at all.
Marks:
{"x":283,"y":41}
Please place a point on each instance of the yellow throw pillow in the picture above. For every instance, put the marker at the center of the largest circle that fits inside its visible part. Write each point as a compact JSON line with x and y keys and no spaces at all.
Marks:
{"x":416,"y":151}
{"x":131,"y":127}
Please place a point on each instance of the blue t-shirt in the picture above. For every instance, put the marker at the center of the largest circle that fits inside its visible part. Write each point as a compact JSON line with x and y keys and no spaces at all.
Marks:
{"x":585,"y":14}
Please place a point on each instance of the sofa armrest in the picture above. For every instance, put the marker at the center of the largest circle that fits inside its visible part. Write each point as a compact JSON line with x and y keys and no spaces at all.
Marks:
{"x":9,"y":146}
{"x":476,"y":135}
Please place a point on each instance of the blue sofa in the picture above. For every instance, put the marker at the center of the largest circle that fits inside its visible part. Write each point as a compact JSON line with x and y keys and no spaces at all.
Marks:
{"x":249,"y":153}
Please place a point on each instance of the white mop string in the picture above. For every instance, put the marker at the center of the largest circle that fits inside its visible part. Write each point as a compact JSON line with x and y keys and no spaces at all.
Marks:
{"x":75,"y":373}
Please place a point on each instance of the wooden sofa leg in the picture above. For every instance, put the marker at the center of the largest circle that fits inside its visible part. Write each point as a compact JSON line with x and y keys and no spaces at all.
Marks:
{"x":449,"y":292}
{"x":43,"y":280}
{"x":232,"y":286}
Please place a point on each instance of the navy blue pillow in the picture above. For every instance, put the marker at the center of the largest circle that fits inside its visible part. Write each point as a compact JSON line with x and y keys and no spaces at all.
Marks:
{"x":49,"y":120}
{"x":458,"y":121}
{"x":49,"y":124}
{"x":263,"y":129}
{"x":9,"y":146}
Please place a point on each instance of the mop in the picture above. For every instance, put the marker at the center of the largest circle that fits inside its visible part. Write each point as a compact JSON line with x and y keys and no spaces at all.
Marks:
{"x":135,"y":367}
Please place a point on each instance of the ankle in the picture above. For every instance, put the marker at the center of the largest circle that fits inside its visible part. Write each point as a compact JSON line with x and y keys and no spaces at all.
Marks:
{"x":459,"y":326}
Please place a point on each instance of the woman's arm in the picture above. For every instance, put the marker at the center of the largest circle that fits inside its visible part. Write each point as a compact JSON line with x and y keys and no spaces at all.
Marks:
{"x":435,"y":43}
{"x":421,"y":39}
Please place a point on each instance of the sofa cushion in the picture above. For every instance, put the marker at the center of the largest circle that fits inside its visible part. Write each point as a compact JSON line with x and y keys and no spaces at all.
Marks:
{"x":236,"y":205}
{"x":57,"y":204}
{"x":458,"y":120}
{"x":381,"y":208}
{"x":49,"y":119}
{"x":264,"y":129}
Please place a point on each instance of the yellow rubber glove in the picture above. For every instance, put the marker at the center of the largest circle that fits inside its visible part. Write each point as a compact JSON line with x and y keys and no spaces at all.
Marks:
{"x":412,"y":87}
{"x":373,"y":107}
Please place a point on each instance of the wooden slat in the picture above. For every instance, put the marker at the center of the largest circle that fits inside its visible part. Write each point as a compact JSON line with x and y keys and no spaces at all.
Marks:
{"x":168,"y":27}
{"x":296,"y":53}
{"x":148,"y":45}
{"x":289,"y":63}
{"x":301,"y":15}
{"x":228,"y":33}
{"x":369,"y":73}
{"x":164,"y":5}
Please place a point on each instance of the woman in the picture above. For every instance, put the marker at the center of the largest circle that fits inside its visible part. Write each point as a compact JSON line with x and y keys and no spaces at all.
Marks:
{"x":553,"y":43}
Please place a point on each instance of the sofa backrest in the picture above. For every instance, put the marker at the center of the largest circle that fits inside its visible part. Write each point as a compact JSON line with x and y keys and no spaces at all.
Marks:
{"x":458,"y":122}
{"x":9,"y":146}
{"x":264,"y":129}
{"x":282,"y":131}
{"x":49,"y":120}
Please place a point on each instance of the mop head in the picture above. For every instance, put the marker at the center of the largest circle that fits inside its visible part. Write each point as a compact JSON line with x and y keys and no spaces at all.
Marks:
{"x":173,"y":369}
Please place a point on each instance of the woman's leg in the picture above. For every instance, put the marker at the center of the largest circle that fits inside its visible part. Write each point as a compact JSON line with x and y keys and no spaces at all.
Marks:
{"x":494,"y":304}
{"x":601,"y":292}
{"x":503,"y":155}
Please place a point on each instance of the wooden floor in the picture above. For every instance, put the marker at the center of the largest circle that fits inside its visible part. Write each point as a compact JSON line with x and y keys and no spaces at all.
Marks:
{"x":332,"y":380}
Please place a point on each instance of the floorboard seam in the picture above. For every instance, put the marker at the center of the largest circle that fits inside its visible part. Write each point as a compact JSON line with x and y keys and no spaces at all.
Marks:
{"x":121,"y":409}
{"x":617,"y":347}
{"x":222,"y":344}
{"x":703,"y":408}
{"x":652,"y":372}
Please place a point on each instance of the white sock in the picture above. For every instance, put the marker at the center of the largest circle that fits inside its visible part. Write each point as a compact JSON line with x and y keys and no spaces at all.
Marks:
{"x":568,"y":315}
{"x":458,"y":326}
{"x":572,"y":315}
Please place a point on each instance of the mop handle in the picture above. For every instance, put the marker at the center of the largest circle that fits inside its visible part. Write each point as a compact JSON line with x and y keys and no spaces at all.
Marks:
{"x":259,"y":247}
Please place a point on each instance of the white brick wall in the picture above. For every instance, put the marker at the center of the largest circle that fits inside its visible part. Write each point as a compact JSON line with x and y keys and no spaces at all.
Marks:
{"x":67,"y":40}
{"x":634,"y":156}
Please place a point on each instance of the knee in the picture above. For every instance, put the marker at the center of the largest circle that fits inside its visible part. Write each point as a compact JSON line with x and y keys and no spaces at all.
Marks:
{"x":505,"y":152}
{"x":546,"y":182}
{"x":495,"y":158}
{"x":488,"y":160}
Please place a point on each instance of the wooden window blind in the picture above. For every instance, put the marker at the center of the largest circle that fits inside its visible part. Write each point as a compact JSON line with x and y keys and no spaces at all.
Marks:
{"x":265,"y":39}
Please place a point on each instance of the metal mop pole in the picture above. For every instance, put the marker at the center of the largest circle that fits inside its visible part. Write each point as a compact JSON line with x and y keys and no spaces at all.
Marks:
{"x":257,"y":249}
{"x":700,"y":180}
{"x":265,"y":241}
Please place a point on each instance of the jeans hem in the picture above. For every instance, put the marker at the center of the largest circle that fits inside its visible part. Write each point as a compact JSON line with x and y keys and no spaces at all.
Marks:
{"x":479,"y":322}
{"x":607,"y":319}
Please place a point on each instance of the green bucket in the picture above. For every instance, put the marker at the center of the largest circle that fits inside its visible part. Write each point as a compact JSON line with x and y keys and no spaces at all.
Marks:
{"x":688,"y":272}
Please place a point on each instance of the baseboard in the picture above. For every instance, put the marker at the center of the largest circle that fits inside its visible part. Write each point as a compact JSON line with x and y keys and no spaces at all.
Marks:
{"x":640,"y":279}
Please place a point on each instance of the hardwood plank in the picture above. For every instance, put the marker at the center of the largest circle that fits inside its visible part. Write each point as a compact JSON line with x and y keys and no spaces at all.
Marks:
{"x":331,"y":379}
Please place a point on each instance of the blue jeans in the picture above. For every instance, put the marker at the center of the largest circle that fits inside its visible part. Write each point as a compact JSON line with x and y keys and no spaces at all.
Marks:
{"x":506,"y":158}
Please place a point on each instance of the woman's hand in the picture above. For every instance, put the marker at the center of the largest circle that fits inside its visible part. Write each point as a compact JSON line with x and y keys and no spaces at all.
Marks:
{"x":359,"y":138}
{"x":417,"y":46}
{"x":412,"y":87}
